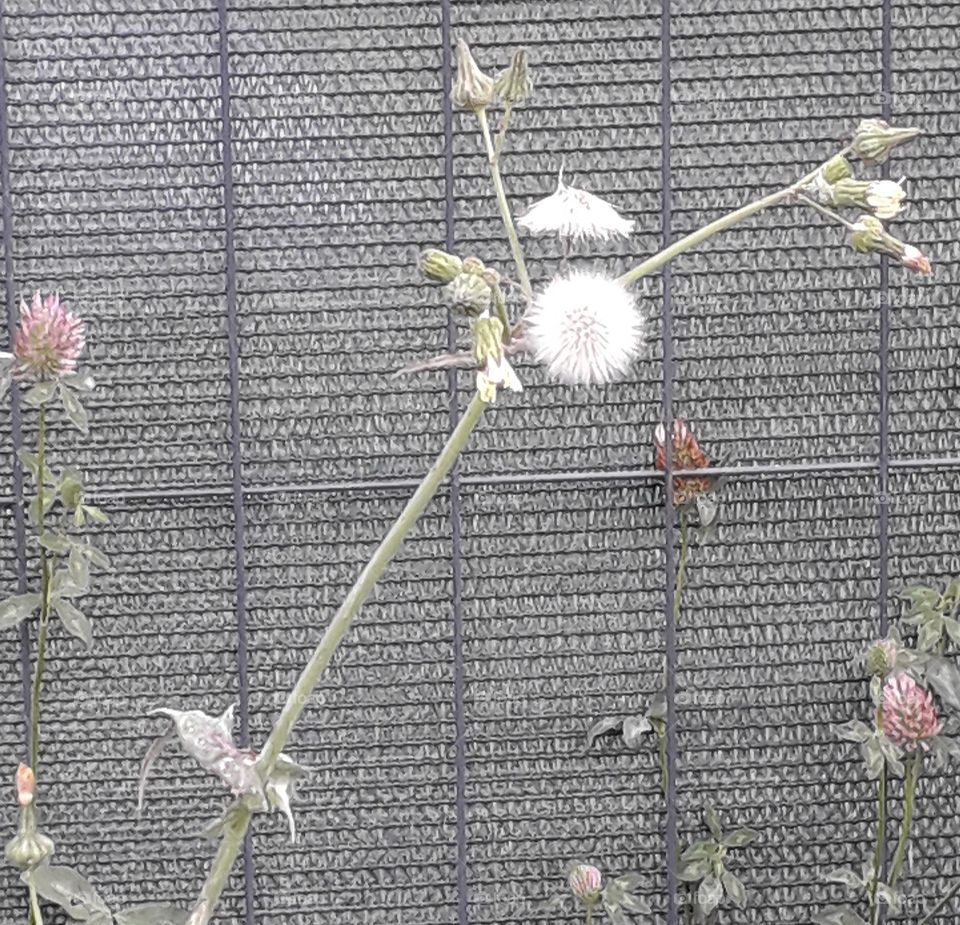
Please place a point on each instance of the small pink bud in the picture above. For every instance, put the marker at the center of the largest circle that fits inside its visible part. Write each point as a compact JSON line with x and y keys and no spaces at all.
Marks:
{"x":909,"y":715}
{"x":26,"y":784}
{"x":913,"y":259}
{"x":585,"y":882}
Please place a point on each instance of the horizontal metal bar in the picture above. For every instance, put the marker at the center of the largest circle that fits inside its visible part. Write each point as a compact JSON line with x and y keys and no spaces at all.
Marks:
{"x":175,"y":493}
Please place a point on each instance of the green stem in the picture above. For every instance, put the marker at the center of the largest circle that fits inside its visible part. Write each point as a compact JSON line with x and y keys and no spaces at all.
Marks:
{"x":940,"y":906}
{"x":504,"y":125}
{"x":879,"y":852}
{"x":44,"y":597}
{"x":662,"y":754}
{"x":494,"y":160}
{"x":909,"y":789}
{"x":233,"y":835}
{"x":828,"y":213}
{"x":654,"y":263}
{"x":589,"y":920}
{"x":681,"y":565}
{"x":36,"y":917}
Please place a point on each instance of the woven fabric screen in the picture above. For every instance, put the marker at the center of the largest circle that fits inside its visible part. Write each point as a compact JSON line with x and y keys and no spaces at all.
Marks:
{"x":233,"y":195}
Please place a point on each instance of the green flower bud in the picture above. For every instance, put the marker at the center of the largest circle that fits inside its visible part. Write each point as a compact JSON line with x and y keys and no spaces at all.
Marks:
{"x":487,"y":339}
{"x":881,"y":657}
{"x":474,"y":266}
{"x":868,"y":236}
{"x":472,"y":89}
{"x":836,"y":169}
{"x":874,"y":139}
{"x":469,"y":294}
{"x":28,"y":847}
{"x":513,"y":85}
{"x":439,"y":265}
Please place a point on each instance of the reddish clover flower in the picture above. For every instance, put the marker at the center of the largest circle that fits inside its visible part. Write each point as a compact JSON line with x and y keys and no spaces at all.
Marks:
{"x":909,"y":715}
{"x":686,"y":455}
{"x":48,"y":340}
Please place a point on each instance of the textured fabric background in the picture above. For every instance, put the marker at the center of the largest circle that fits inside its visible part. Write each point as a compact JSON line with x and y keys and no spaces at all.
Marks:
{"x":530,"y":601}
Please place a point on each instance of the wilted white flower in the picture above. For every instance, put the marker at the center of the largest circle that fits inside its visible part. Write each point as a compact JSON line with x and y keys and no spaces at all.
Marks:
{"x":573,"y":214}
{"x":885,"y":197}
{"x":585,"y":328}
{"x":497,"y":372}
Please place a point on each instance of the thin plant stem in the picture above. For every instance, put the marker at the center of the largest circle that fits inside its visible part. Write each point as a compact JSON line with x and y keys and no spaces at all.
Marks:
{"x":494,"y":160}
{"x":589,"y":916}
{"x":233,"y":835}
{"x":654,"y":263}
{"x":681,"y":565}
{"x":909,"y":791}
{"x":823,"y":210}
{"x":44,"y":597}
{"x":879,"y":851}
{"x":940,"y":906}
{"x":502,"y":134}
{"x":662,"y":755}
{"x":36,"y":917}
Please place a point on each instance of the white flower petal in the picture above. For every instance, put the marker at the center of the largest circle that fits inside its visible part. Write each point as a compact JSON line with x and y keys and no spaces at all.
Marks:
{"x":575,"y":214}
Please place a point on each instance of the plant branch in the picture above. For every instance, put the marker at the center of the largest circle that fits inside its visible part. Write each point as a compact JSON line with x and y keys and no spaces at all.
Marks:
{"x":44,"y":597}
{"x":909,"y":790}
{"x":494,"y":160}
{"x":823,"y":210}
{"x":234,"y":833}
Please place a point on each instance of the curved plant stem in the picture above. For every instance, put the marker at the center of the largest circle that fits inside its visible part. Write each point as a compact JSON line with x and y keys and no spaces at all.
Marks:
{"x":234,"y":833}
{"x":909,"y":791}
{"x":493,"y":156}
{"x":879,"y":851}
{"x":44,"y":597}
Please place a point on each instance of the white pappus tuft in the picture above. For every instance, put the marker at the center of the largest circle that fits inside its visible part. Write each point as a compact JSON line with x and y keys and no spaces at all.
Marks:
{"x":586,"y":329}
{"x":574,"y":214}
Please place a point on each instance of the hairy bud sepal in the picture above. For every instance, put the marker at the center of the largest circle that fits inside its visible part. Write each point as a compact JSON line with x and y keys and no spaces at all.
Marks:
{"x":472,"y":89}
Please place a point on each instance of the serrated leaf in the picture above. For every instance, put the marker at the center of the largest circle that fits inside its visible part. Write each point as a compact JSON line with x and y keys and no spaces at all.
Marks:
{"x":635,"y":729}
{"x":63,"y":585}
{"x":709,"y":894}
{"x":74,"y":410}
{"x":609,"y":725}
{"x":152,"y":914}
{"x":740,"y":838}
{"x":713,"y":823}
{"x":735,"y":889}
{"x":705,"y":848}
{"x":41,"y":393}
{"x":72,"y":892}
{"x":74,"y":621}
{"x":637,"y":904}
{"x":17,"y":608}
{"x":944,"y":677}
{"x":853,"y":731}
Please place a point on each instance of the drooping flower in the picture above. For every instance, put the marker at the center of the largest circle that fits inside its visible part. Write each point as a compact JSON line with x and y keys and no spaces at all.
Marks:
{"x":686,"y":455}
{"x":574,"y":214}
{"x":867,"y":235}
{"x":909,"y":715}
{"x":585,"y":883}
{"x":48,"y":341}
{"x":585,"y":328}
{"x":885,"y":197}
{"x":914,"y":260}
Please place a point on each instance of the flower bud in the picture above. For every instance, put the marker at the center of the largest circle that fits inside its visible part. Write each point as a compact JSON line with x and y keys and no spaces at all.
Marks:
{"x":836,"y":169}
{"x":487,"y":339}
{"x":869,"y":236}
{"x":513,"y":85}
{"x":26,"y":784}
{"x":469,"y":294}
{"x":883,"y":196}
{"x":914,"y":260}
{"x":474,"y":266}
{"x":472,"y":89}
{"x":585,"y":882}
{"x":881,"y":657}
{"x":439,"y":265}
{"x":874,"y":139}
{"x":28,"y":847}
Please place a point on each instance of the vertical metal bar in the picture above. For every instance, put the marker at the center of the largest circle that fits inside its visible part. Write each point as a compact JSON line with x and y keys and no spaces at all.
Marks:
{"x":236,"y":460}
{"x":670,"y":636}
{"x":453,"y":404}
{"x":16,"y":421}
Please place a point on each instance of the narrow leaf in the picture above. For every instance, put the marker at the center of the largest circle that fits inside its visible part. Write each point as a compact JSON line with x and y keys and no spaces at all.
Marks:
{"x":735,"y":889}
{"x":149,"y":759}
{"x":75,"y":622}
{"x":79,"y":568}
{"x":74,"y":410}
{"x":740,"y":838}
{"x":713,"y":823}
{"x":65,"y":887}
{"x":709,"y":894}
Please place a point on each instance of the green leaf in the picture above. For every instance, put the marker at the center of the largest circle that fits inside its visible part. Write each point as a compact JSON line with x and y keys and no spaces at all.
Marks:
{"x":70,"y":489}
{"x":95,"y":514}
{"x":82,"y":382}
{"x":872,"y":757}
{"x":953,"y":629}
{"x":891,"y":754}
{"x":944,"y":677}
{"x":74,"y":410}
{"x":930,"y":632}
{"x":41,"y":393}
{"x":709,"y":894}
{"x":55,"y":542}
{"x":706,"y":848}
{"x":152,"y":914}
{"x":637,"y":904}
{"x":842,"y":915}
{"x":603,"y":727}
{"x":629,"y":882}
{"x":853,"y":731}
{"x":63,"y":586}
{"x":30,"y":462}
{"x":740,"y":838}
{"x":75,"y":622}
{"x":713,"y":823}
{"x":693,"y":870}
{"x":634,"y":730}
{"x":735,"y":889}
{"x":79,"y":568}
{"x":34,"y":509}
{"x":658,"y":707}
{"x":65,"y":887}
{"x":847,"y":877}
{"x":96,"y":557}
{"x":17,"y":608}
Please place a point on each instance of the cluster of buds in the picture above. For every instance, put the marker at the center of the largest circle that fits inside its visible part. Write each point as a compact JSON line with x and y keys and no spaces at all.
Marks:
{"x":474,"y":90}
{"x":686,"y":455}
{"x":836,"y":186}
{"x":29,"y":847}
{"x":909,"y":715}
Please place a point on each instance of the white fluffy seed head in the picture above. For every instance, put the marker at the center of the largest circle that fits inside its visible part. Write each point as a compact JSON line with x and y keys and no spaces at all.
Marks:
{"x":574,"y":214}
{"x":586,"y":329}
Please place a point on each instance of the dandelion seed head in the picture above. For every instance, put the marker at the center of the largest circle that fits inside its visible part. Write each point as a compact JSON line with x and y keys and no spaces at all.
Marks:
{"x":586,"y":329}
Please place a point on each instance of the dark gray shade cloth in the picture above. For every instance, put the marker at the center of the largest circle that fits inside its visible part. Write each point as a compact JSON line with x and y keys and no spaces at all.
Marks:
{"x":257,"y":259}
